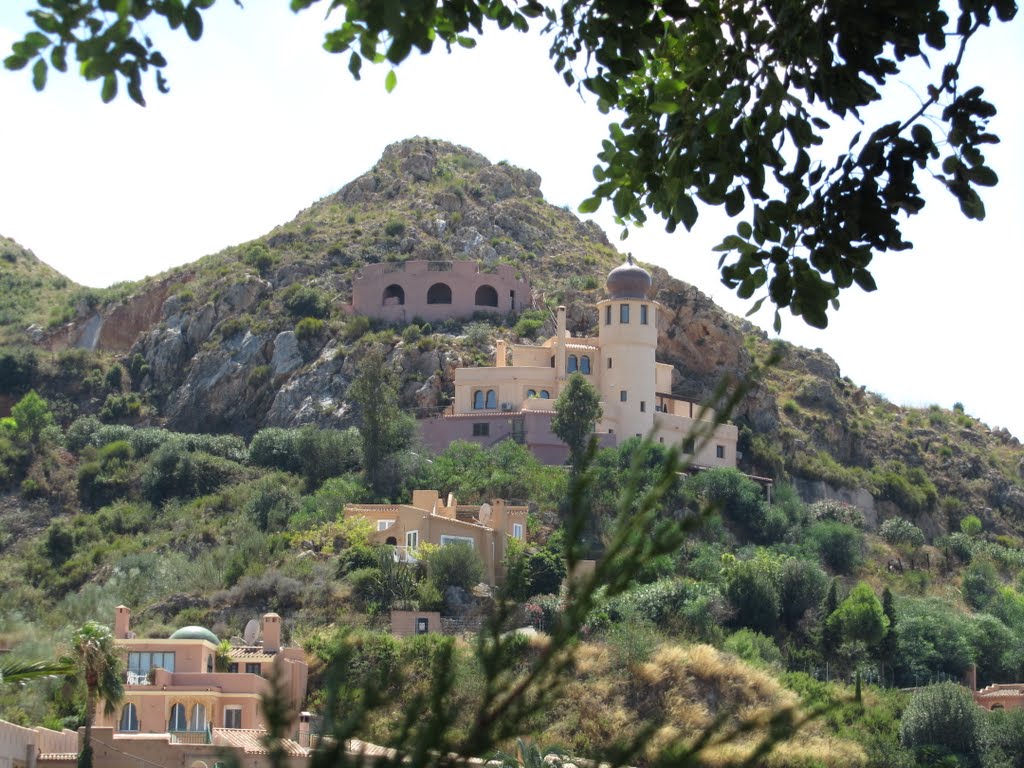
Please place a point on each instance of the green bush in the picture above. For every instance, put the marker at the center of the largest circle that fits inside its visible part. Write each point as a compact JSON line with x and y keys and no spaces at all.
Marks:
{"x":971,"y":525}
{"x":18,"y":366}
{"x":306,"y":301}
{"x":839,"y":546}
{"x":455,"y":565}
{"x":942,"y":715}
{"x":754,"y":648}
{"x":308,"y":329}
{"x":273,"y":503}
{"x":394,"y":227}
{"x":901,"y":533}
{"x":836,"y":511}
{"x":531,"y":321}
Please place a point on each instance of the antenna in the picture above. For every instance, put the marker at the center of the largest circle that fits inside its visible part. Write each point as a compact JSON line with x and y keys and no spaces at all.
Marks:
{"x":252,"y":629}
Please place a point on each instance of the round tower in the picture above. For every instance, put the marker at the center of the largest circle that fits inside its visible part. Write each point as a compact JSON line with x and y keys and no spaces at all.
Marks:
{"x":628,"y":336}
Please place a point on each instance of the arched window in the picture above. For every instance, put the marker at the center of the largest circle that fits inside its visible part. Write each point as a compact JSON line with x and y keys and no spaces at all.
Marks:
{"x":552,"y":361}
{"x":198,"y":720}
{"x":571,"y":364}
{"x":209,"y":663}
{"x":391,"y":541}
{"x":531,"y":393}
{"x":393,"y":294}
{"x":545,"y":395}
{"x":129,"y":719}
{"x":585,"y":365}
{"x":439,"y":293}
{"x":177,"y":721}
{"x":492,"y":399}
{"x":486,"y":296}
{"x":478,"y":400}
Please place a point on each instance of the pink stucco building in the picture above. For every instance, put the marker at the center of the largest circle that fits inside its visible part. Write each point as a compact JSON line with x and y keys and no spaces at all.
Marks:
{"x":516,"y":401}
{"x":401,"y":291}
{"x":173,"y":686}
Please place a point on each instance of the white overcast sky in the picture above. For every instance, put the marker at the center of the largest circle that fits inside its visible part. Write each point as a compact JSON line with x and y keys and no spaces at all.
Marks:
{"x":261,"y":122}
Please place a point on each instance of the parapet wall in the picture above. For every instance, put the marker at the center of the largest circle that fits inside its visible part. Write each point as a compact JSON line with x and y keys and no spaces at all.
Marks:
{"x":436,"y":290}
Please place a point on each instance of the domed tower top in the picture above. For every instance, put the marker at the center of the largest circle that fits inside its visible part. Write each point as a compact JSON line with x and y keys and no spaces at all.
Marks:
{"x":628,"y":281}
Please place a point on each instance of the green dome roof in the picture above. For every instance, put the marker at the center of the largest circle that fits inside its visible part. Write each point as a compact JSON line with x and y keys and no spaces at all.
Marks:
{"x":195,"y":633}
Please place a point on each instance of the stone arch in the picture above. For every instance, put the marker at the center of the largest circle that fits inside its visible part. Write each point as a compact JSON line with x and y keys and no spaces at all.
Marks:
{"x":439,"y":293}
{"x":585,"y":364}
{"x":129,"y":718}
{"x":177,"y":721}
{"x":393,"y":294}
{"x":486,"y":296}
{"x":391,"y":541}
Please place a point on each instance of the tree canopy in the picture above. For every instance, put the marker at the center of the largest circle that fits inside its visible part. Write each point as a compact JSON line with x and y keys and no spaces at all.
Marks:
{"x":725,"y":104}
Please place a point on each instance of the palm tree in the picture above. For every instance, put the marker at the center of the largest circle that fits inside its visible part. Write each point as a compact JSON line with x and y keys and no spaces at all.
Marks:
{"x":15,"y":671}
{"x":93,"y":648}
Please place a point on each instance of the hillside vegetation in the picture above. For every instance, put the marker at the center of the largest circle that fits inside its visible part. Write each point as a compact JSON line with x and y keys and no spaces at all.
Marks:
{"x":186,"y":445}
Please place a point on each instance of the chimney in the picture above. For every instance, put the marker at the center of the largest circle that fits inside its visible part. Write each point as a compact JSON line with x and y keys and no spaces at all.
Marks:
{"x":499,"y":353}
{"x":122,"y":618}
{"x":271,"y":633}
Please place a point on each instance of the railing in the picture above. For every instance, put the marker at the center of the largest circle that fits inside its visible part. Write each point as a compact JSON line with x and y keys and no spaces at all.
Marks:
{"x":137,"y":678}
{"x":191,"y":737}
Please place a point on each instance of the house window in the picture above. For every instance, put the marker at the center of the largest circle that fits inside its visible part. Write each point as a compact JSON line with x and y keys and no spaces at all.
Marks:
{"x":623,"y":396}
{"x":492,"y":399}
{"x":688,"y":445}
{"x":129,"y":718}
{"x":545,"y":395}
{"x":252,"y":668}
{"x":383,"y":525}
{"x":140,"y":663}
{"x":464,"y":540}
{"x":608,"y":315}
{"x":531,"y":393}
{"x":643,"y":406}
{"x":412,"y":539}
{"x":517,"y":530}
{"x":232,"y":717}
{"x":422,"y":625}
{"x":585,"y":365}
{"x":661,"y":439}
{"x":624,"y":313}
{"x":720,"y":451}
{"x":609,"y":362}
{"x":198,"y":720}
{"x":481,"y":429}
{"x":177,"y":721}
{"x":233,"y":667}
{"x":478,"y":400}
{"x":572,"y":364}
{"x":643,"y":314}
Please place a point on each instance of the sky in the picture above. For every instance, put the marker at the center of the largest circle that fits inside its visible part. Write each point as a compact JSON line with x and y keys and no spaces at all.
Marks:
{"x":261,"y":122}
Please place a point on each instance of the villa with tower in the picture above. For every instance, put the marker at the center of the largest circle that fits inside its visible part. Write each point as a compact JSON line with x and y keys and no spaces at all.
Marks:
{"x":514,"y":399}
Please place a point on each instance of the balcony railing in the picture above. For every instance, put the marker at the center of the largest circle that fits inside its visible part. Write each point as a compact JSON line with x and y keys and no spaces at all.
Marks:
{"x":137,"y":678}
{"x":203,"y":736}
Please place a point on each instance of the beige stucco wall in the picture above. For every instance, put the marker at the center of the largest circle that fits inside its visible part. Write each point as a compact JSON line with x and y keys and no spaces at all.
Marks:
{"x":19,"y":746}
{"x":403,"y":623}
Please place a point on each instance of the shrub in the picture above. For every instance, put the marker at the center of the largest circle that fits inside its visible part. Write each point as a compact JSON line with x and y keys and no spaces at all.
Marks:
{"x":308,"y":328}
{"x":455,"y":565}
{"x":306,"y":301}
{"x":356,"y":327}
{"x":18,"y":366}
{"x":121,"y":406}
{"x":531,"y":321}
{"x":738,"y":499}
{"x":394,"y":227}
{"x":942,"y":715}
{"x":979,"y":584}
{"x":838,"y":545}
{"x":257,"y":255}
{"x":802,"y":587}
{"x":971,"y":525}
{"x":908,"y":488}
{"x":901,"y":533}
{"x":754,"y":648}
{"x":273,"y":503}
{"x":542,"y":612}
{"x":837,"y":511}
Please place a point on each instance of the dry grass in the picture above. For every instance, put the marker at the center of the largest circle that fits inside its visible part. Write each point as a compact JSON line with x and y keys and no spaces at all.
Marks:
{"x":680,"y":692}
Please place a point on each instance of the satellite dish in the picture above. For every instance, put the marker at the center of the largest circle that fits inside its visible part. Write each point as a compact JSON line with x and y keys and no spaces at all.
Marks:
{"x":252,"y":630}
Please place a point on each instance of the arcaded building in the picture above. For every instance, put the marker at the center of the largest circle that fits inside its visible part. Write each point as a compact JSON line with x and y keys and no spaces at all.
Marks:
{"x":514,"y":399}
{"x":174,"y":686}
{"x":402,"y":291}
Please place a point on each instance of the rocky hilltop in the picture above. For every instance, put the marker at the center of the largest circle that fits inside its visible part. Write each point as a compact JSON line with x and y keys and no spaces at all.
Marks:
{"x":256,"y":336}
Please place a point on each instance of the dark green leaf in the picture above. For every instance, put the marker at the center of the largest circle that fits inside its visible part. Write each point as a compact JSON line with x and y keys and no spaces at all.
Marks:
{"x":39,"y":74}
{"x":109,"y":91}
{"x":193,"y":23}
